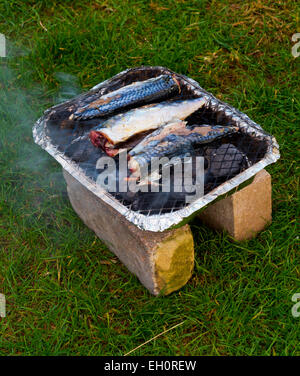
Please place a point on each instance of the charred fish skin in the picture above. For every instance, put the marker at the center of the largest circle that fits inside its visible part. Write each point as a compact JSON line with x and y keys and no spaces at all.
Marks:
{"x":122,"y":127}
{"x":177,"y":135}
{"x":174,"y":140}
{"x":143,"y":91}
{"x":204,"y":134}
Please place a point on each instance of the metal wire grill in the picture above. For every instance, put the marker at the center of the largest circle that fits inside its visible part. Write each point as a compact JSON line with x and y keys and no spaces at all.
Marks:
{"x":224,"y":158}
{"x":234,"y":154}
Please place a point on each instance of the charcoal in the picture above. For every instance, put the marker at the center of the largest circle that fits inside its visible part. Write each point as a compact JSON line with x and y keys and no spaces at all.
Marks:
{"x":226,"y":161}
{"x":161,"y":201}
{"x":69,"y":140}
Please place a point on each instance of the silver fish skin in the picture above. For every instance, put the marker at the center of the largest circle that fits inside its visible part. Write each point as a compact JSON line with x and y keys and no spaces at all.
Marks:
{"x":174,"y":140}
{"x":133,"y":94}
{"x":122,"y":127}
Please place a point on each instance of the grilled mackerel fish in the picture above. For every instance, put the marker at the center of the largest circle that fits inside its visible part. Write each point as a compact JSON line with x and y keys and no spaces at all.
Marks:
{"x":120,"y":128}
{"x":173,"y":140}
{"x":133,"y":94}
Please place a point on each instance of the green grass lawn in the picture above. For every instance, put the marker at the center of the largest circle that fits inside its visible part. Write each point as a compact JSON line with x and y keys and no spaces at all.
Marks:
{"x":66,"y":293}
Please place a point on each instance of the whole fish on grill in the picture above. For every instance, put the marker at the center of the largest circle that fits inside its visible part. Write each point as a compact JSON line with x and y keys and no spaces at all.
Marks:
{"x":173,"y":140}
{"x":120,"y":128}
{"x":133,"y":94}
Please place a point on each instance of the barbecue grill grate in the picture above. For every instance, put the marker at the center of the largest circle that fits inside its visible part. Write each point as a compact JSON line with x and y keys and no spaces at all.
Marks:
{"x":225,"y":158}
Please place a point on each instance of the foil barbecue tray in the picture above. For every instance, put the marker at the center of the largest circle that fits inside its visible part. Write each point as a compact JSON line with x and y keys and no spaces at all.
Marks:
{"x":67,"y":141}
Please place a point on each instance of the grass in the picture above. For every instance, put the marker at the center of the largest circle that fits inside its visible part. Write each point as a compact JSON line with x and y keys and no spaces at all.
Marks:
{"x":66,"y":293}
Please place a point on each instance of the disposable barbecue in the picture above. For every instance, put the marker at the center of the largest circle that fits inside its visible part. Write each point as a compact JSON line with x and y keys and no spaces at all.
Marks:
{"x":81,"y":131}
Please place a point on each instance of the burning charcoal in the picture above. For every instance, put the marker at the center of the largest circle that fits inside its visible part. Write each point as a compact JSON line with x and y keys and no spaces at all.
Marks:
{"x":157,"y":200}
{"x":80,"y":150}
{"x":68,"y":139}
{"x":226,"y":161}
{"x":165,"y":201}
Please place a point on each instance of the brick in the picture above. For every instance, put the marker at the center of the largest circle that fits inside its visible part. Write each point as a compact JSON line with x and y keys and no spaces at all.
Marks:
{"x":245,"y":212}
{"x":162,"y":261}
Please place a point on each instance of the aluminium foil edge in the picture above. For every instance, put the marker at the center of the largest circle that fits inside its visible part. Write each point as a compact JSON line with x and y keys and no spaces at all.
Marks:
{"x":162,"y":222}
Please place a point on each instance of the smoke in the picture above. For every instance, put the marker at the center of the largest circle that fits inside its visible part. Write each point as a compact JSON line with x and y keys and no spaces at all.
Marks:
{"x":68,"y":87}
{"x":29,"y":177}
{"x":33,"y":172}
